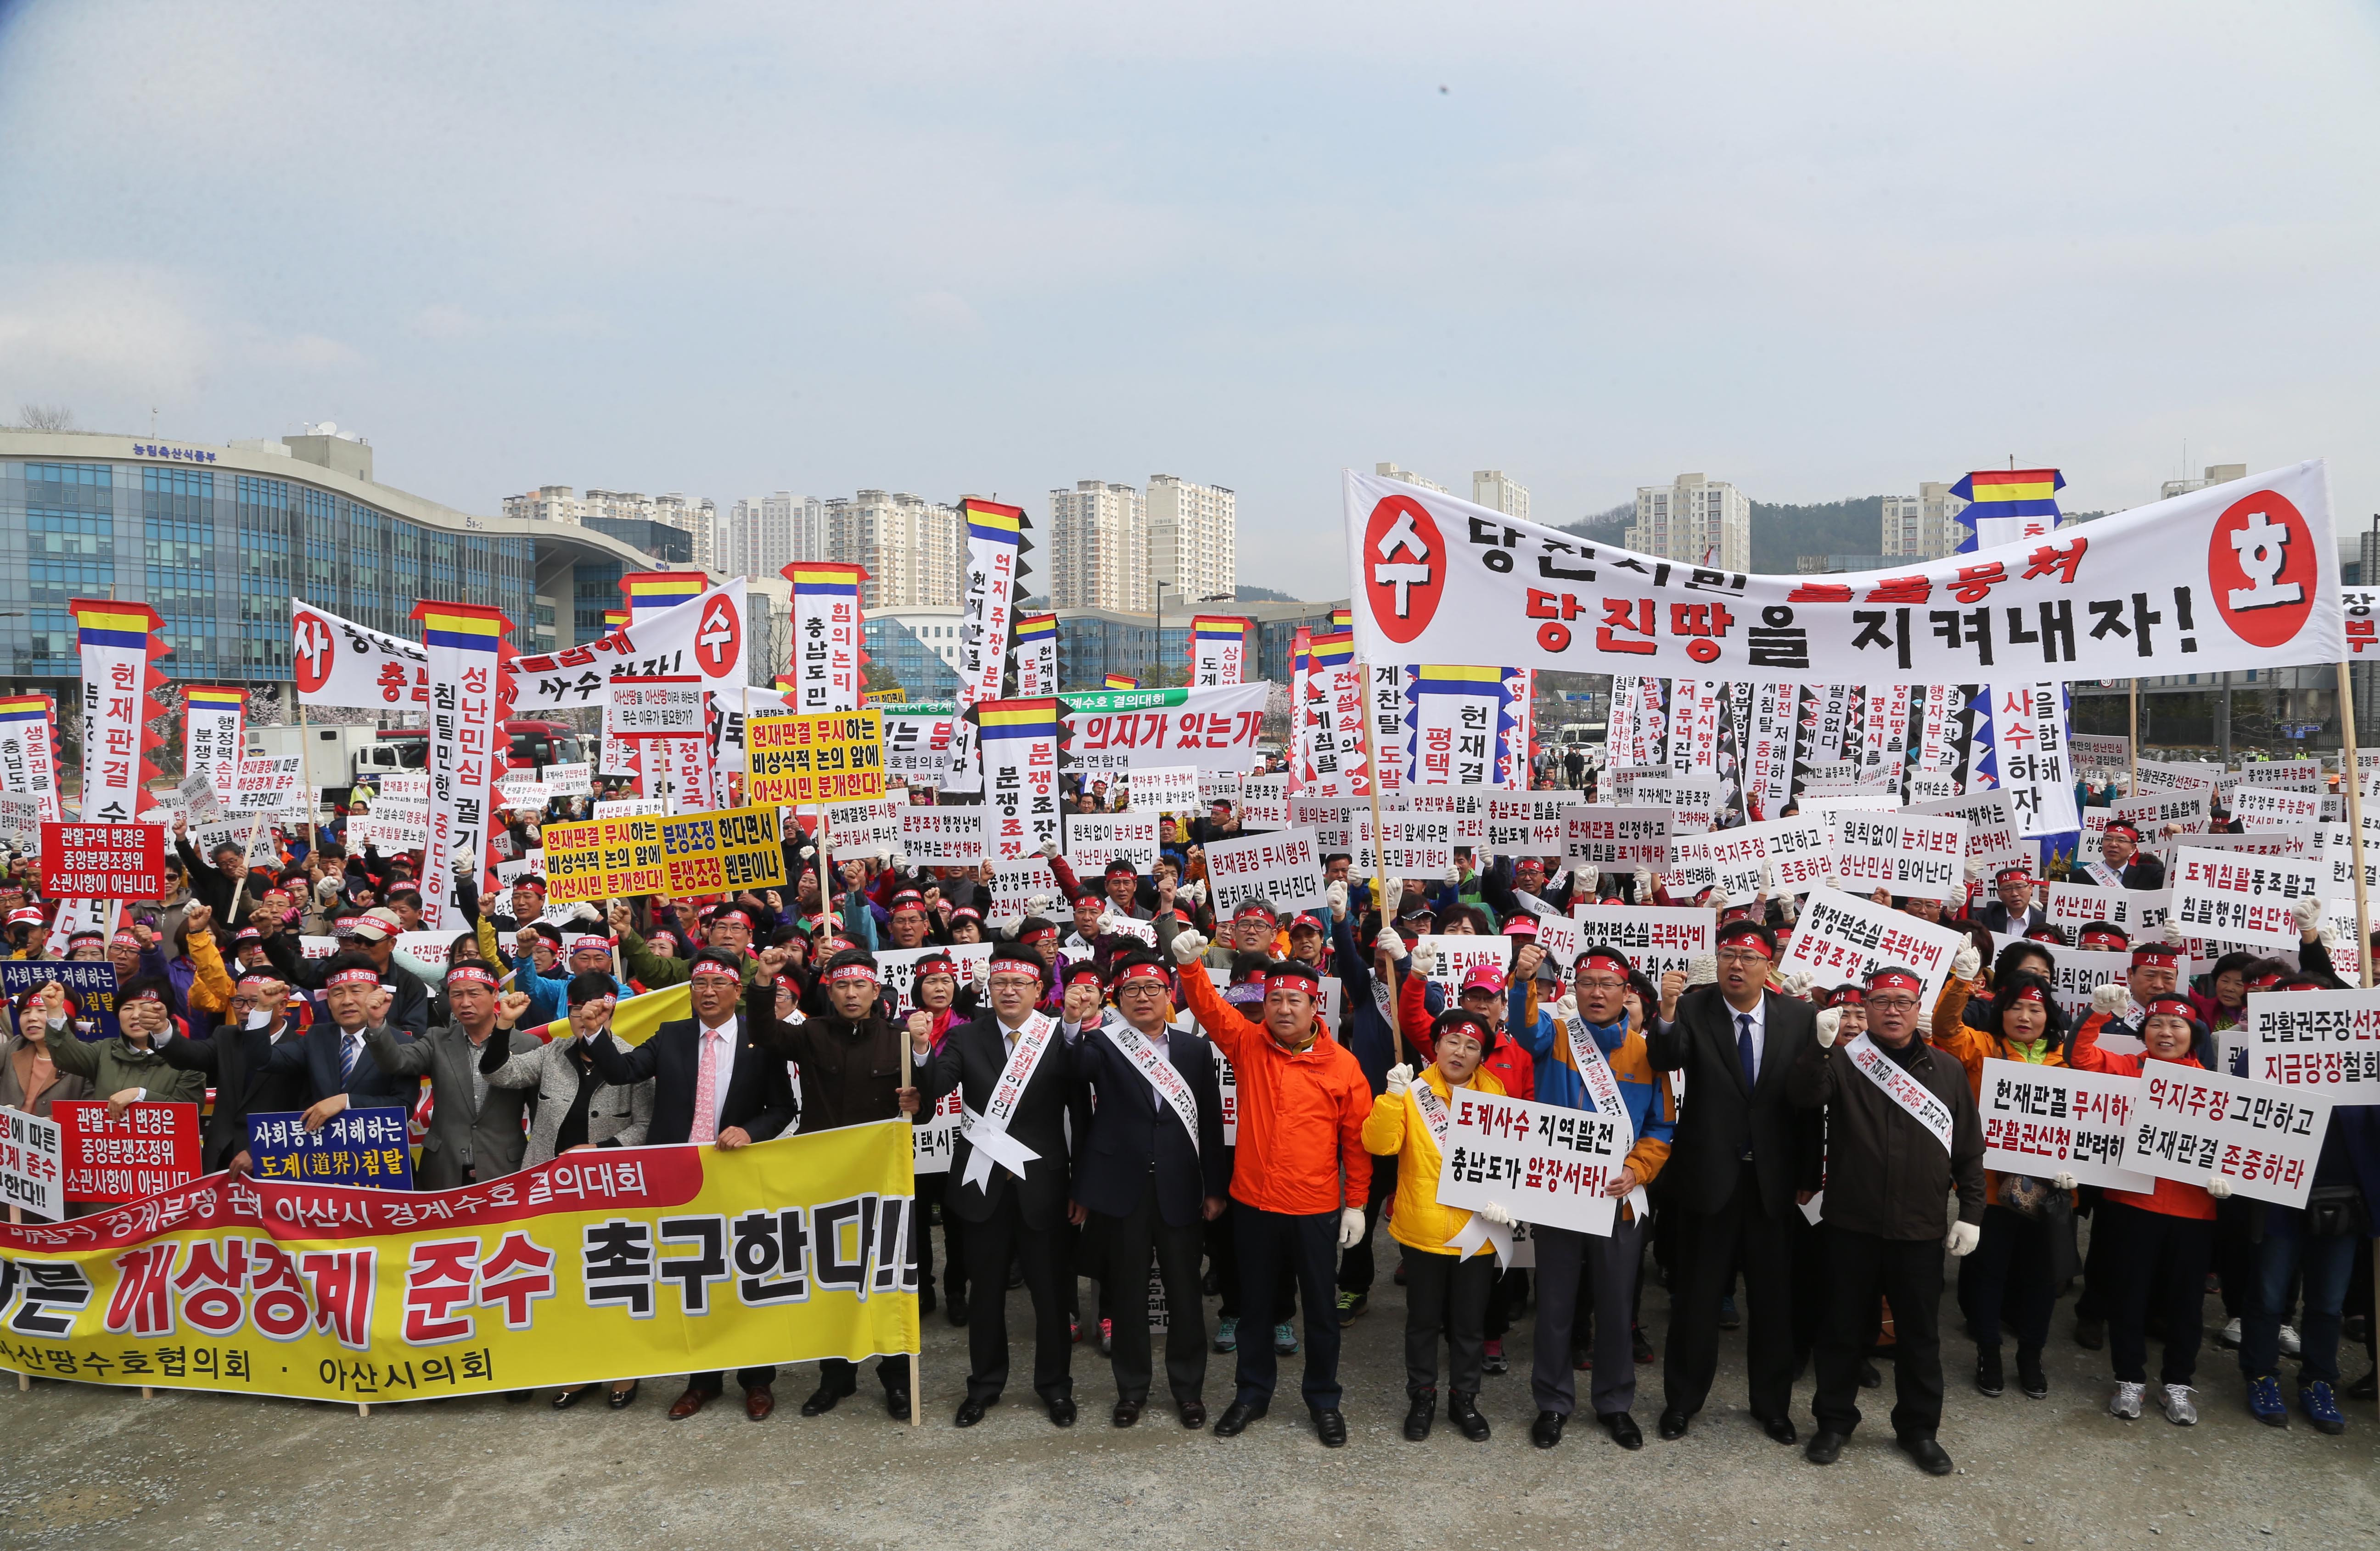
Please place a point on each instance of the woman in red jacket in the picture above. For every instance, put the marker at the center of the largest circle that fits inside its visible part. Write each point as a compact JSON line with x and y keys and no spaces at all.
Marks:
{"x":2160,"y":1240}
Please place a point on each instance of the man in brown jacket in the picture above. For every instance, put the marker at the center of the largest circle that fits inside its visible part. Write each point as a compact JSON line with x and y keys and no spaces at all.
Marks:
{"x":1901,"y":1132}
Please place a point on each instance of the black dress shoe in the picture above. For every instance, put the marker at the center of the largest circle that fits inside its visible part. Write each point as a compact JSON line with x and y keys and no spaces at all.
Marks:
{"x":1126,"y":1413}
{"x":1062,"y":1412}
{"x":516,"y":1396}
{"x":896,"y":1404}
{"x":1825,"y":1448}
{"x":1623,"y":1429}
{"x":1417,"y":1419}
{"x":1236,"y":1417}
{"x":1869,"y":1377}
{"x":621,"y":1399}
{"x":1926,"y":1454}
{"x":957,"y":1313}
{"x":970,"y":1413}
{"x":823,"y":1400}
{"x":1674,"y":1422}
{"x":1194,"y":1414}
{"x":1782,"y":1429}
{"x":1331,"y":1428}
{"x":570,"y":1398}
{"x":1463,"y":1411}
{"x":1990,"y":1382}
{"x":1546,"y":1430}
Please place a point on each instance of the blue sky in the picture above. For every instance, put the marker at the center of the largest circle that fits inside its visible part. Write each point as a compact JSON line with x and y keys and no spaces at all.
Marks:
{"x":1821,"y":250}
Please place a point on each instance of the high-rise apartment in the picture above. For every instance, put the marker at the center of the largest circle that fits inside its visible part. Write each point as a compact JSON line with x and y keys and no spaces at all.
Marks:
{"x":2216,"y":474}
{"x":762,"y":535}
{"x":1194,"y":537}
{"x":1496,"y":491}
{"x":1695,"y":519}
{"x":910,"y":546}
{"x":1099,"y":543}
{"x":1390,"y":471}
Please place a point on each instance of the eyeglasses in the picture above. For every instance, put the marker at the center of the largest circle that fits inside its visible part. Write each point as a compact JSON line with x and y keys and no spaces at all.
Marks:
{"x":1603,"y":984}
{"x":1014,"y":982}
{"x":1891,"y":1004}
{"x":1743,"y":956}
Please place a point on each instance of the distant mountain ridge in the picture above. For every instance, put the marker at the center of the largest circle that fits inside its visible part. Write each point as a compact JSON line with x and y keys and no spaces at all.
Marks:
{"x":1781,"y":533}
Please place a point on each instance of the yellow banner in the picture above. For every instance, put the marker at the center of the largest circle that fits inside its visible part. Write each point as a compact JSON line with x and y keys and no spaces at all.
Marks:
{"x":614,"y":1263}
{"x":833,"y":758}
{"x":716,"y":852}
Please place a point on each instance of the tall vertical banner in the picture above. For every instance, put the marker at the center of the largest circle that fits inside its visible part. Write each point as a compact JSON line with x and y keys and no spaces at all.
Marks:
{"x":2029,"y":721}
{"x":1884,"y":734}
{"x":212,"y":740}
{"x":1020,"y":776}
{"x":1337,"y":701}
{"x":1392,"y":733}
{"x":1516,"y":730}
{"x":996,"y":547}
{"x":466,"y":644}
{"x":1696,"y":707}
{"x":648,"y":593}
{"x":29,"y":752}
{"x":1301,"y":662}
{"x":1454,"y":716}
{"x":1036,"y":656}
{"x":1941,"y":751}
{"x":1219,"y":649}
{"x":1768,"y":761}
{"x":826,"y":649}
{"x":2006,"y":505}
{"x":119,"y":648}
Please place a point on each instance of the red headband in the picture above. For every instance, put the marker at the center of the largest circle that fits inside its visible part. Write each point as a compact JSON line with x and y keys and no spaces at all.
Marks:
{"x":2030,"y":993}
{"x":1134,"y":973}
{"x":2156,"y":956}
{"x":351,"y":977}
{"x":731,"y":914}
{"x":1894,"y":980}
{"x":1078,"y":974}
{"x":258,"y":977}
{"x":1047,"y":933}
{"x":1848,"y":996}
{"x":128,"y":938}
{"x":2170,"y":1007}
{"x":2119,"y":938}
{"x":1299,"y":973}
{"x":850,"y":972}
{"x":146,"y":993}
{"x":708,"y":967}
{"x":471,"y":974}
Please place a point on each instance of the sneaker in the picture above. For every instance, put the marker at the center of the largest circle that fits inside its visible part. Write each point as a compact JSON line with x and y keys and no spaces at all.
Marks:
{"x":1728,"y":1318}
{"x":1227,"y":1333}
{"x":2126,"y":1403}
{"x":2174,"y":1399}
{"x":1351,"y":1305}
{"x":2290,"y":1345}
{"x":2265,"y":1401}
{"x":1493,"y":1361}
{"x":1284,"y":1339}
{"x":2321,"y":1409}
{"x":1074,"y":1328}
{"x":1107,"y":1337}
{"x":2229,"y":1336}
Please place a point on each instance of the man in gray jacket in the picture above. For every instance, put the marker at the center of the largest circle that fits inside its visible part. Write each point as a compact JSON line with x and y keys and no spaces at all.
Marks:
{"x":475,"y":1129}
{"x":575,"y":1106}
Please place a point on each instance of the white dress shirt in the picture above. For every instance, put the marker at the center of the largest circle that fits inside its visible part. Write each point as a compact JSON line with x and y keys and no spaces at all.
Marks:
{"x":1759,"y":1016}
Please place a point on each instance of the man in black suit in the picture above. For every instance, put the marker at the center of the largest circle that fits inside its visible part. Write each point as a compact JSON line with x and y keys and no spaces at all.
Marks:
{"x":1011,"y":1069}
{"x":2013,"y":913}
{"x":1151,"y":1167}
{"x":712,"y":1082}
{"x":333,"y":1059}
{"x":237,"y":1057}
{"x":2119,"y":847}
{"x":1741,"y":1156}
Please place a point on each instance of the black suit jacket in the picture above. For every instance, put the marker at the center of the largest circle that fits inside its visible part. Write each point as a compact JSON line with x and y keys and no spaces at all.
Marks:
{"x":1996,"y":919}
{"x":970,"y":1063}
{"x":759,"y":1095}
{"x":1721,"y":1120}
{"x":245,"y":1085}
{"x":316,"y":1058}
{"x":1134,"y":1133}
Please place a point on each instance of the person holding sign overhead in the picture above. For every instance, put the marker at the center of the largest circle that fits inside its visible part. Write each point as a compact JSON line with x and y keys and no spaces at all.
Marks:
{"x":1902,"y":1132}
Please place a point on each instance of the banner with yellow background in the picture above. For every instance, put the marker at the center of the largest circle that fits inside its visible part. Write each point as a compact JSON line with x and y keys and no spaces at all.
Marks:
{"x":609,"y":1263}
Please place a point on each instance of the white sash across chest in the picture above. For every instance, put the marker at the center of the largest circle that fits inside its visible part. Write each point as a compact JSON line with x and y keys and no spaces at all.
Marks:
{"x":986,"y":1133}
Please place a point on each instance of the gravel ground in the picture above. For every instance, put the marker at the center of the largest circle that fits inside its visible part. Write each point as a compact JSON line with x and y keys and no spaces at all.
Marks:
{"x":90,"y":1467}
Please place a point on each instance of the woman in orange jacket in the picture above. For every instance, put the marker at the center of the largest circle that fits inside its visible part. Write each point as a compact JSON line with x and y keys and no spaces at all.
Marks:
{"x":2160,"y":1240}
{"x":2012,"y":1268}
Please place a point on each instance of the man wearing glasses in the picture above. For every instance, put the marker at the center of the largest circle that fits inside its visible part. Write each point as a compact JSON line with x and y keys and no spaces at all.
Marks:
{"x":1741,"y":1154}
{"x":1902,"y":1130}
{"x":234,"y":1058}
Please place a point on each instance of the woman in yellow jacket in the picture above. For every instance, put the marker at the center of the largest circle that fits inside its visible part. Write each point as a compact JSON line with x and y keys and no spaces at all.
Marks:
{"x":1446,"y":1288}
{"x":2027,"y":1221}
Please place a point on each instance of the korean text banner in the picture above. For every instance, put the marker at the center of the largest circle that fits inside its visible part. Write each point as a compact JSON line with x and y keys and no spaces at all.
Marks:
{"x":665,"y":642}
{"x":29,"y":744}
{"x":638,"y":1261}
{"x":826,"y":649}
{"x":832,"y":758}
{"x":2243,"y":574}
{"x":338,"y":662}
{"x":710,"y":852}
{"x":119,"y":644}
{"x":468,"y":701}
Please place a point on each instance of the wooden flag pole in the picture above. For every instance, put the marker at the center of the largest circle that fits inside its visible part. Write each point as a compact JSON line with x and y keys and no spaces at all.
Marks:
{"x":916,"y":1396}
{"x":1379,"y":868}
{"x":305,"y":772}
{"x":2354,"y":779}
{"x":24,"y":1380}
{"x":2133,"y":744}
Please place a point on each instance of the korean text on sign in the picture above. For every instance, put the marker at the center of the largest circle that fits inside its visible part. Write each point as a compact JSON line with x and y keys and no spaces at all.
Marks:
{"x":830,"y":758}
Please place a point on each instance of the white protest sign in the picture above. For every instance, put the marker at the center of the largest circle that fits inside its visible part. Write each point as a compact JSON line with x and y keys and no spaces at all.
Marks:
{"x":1457,"y":953}
{"x":1932,"y":788}
{"x":1695,"y":800}
{"x":1093,"y":840}
{"x":2243,"y":899}
{"x":1657,"y":937}
{"x":1465,"y":807}
{"x":1992,"y":835}
{"x":2262,"y":807}
{"x":2326,"y":1041}
{"x":655,"y":708}
{"x":199,"y":798}
{"x":33,"y":1165}
{"x":931,"y":1145}
{"x":1559,"y":936}
{"x":1849,"y":801}
{"x":430,"y":948}
{"x":2295,"y":775}
{"x":635,"y":807}
{"x":864,"y":830}
{"x":1264,"y":803}
{"x":2099,"y":754}
{"x":240,"y":830}
{"x":268,"y":785}
{"x":1164,"y":788}
{"x":2076,"y":905}
{"x":1547,"y":1164}
{"x":1799,"y":849}
{"x":20,"y":822}
{"x":412,"y":786}
{"x":1916,"y":855}
{"x":1280,"y":866}
{"x":2179,"y":775}
{"x":318,"y":947}
{"x":1220,"y":786}
{"x":942,"y":837}
{"x":2046,"y":1120}
{"x":528,"y":863}
{"x":2261,"y":1137}
{"x":1616,"y":838}
{"x":1012,"y":883}
{"x":1841,"y":938}
{"x":521,"y":792}
{"x":1527,"y":823}
{"x":570,"y":781}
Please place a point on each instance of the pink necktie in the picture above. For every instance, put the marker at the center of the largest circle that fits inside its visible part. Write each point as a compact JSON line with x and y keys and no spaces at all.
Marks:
{"x":706,"y":1090}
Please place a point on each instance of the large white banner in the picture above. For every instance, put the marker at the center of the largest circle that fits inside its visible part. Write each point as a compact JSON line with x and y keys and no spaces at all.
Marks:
{"x":826,"y":649}
{"x":2046,"y":1120}
{"x":2328,"y":1041}
{"x":710,"y":643}
{"x":114,"y":640}
{"x":338,"y":662}
{"x":1126,"y":728}
{"x":2243,"y":574}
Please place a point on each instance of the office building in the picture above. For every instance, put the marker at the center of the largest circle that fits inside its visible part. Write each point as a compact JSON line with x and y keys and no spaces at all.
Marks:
{"x":2216,"y":474}
{"x":1099,"y":547}
{"x":1493,"y":489}
{"x":1194,"y":537}
{"x":1694,"y":519}
{"x":761,"y":535}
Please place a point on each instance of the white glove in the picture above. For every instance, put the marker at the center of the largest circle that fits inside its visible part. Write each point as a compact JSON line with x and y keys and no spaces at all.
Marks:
{"x":1187,"y":946}
{"x":1643,"y":885}
{"x":1351,"y":1228}
{"x":2113,"y":999}
{"x":1195,"y":892}
{"x":1968,"y":960}
{"x":1399,"y":1078}
{"x":1041,"y":904}
{"x":1050,"y":848}
{"x":884,"y":854}
{"x":1964,"y":1237}
{"x":899,"y":860}
{"x":1567,"y":1008}
{"x":1454,"y":876}
{"x":1337,"y":895}
{"x":2173,"y":933}
{"x":2218,"y":1187}
{"x":1391,"y":891}
{"x":326,"y":893}
{"x":1795,"y":982}
{"x":1975,"y":869}
{"x":1111,"y":923}
{"x":2308,"y":911}
{"x":586,"y":915}
{"x":1830,"y":881}
{"x":1702,"y":970}
{"x":2063,"y":1180}
{"x":1498,"y":1212}
{"x":1768,"y":880}
{"x":1425,"y":959}
{"x":1791,"y":908}
{"x":1829,"y":1021}
{"x":1590,"y":883}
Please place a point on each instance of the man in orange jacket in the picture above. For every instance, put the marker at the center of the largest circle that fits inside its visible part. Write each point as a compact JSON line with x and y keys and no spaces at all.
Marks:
{"x":1300,"y":1176}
